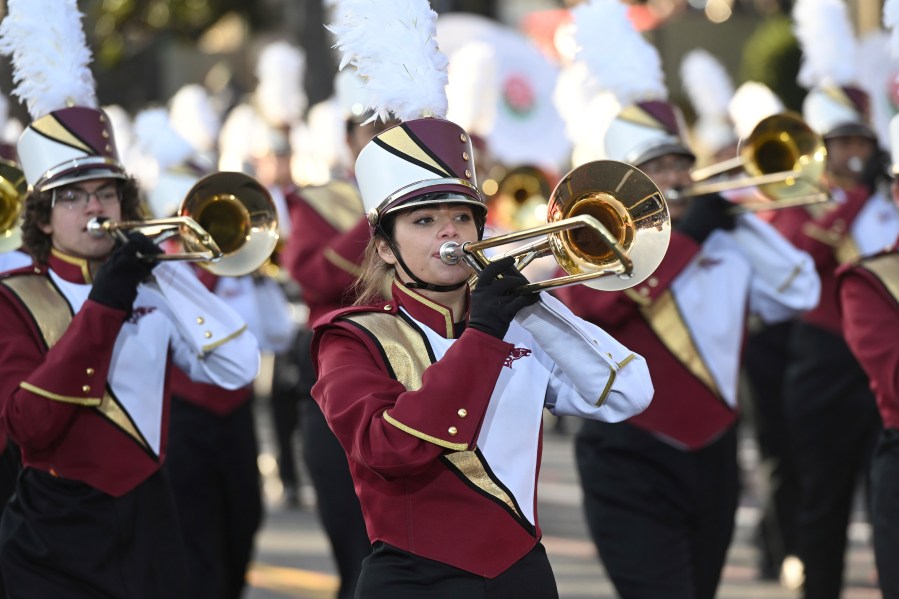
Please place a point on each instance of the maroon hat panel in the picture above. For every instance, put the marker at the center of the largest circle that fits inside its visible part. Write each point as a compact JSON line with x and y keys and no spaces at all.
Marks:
{"x":663,"y":112}
{"x":860,"y":100}
{"x":91,"y":126}
{"x":446,"y":143}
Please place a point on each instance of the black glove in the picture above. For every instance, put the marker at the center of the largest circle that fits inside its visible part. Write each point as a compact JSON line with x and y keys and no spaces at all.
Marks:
{"x":876,"y":170}
{"x":704,"y":215}
{"x":493,"y":301}
{"x":116,"y":281}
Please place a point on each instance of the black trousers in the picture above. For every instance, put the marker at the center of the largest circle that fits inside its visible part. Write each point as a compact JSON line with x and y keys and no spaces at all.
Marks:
{"x":215,"y":479}
{"x":62,"y":538}
{"x":661,"y":518}
{"x":765,"y":359}
{"x":885,"y":512}
{"x":338,"y":505}
{"x":9,"y":472}
{"x":834,"y":425}
{"x":391,"y":573}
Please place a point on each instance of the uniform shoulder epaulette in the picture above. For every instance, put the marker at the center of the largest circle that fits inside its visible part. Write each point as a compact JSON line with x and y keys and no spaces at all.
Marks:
{"x":338,"y":202}
{"x":31,"y":269}
{"x":868,"y":260}
{"x":334,"y":316}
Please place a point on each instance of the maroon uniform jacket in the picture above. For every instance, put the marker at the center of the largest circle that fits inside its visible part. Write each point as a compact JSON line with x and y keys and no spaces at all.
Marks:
{"x":328,"y":238}
{"x":869,"y":300}
{"x":61,"y":400}
{"x":823,"y":232}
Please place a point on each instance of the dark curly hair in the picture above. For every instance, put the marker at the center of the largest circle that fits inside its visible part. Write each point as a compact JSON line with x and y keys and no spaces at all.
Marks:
{"x":38,"y":205}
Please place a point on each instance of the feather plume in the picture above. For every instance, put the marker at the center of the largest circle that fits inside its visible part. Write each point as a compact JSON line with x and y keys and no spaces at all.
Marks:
{"x":751,"y":103}
{"x":51,"y":60}
{"x":473,"y":91}
{"x":194,"y":117}
{"x":280,"y":94}
{"x":620,"y":60}
{"x":237,"y":130}
{"x":706,"y":83}
{"x":829,"y":47}
{"x":392,"y":44}
{"x":891,"y":23}
{"x":155,"y":138}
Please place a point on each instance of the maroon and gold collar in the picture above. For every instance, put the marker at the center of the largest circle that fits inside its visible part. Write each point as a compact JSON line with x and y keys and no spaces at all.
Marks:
{"x":436,"y":316}
{"x":70,"y":268}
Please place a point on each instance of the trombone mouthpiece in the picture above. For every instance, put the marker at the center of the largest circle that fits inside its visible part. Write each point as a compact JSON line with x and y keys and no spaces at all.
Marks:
{"x":450,"y":252}
{"x":95,"y":226}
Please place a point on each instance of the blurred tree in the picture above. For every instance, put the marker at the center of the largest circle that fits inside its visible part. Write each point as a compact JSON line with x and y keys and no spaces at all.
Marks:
{"x":771,"y":56}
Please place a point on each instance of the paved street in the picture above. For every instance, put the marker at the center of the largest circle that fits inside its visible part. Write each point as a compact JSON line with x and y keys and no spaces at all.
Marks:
{"x":293,"y":557}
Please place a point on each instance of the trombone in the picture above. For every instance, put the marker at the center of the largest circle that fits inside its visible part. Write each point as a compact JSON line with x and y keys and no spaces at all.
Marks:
{"x":782,"y":156}
{"x":227,"y":223}
{"x":13,"y":188}
{"x":607,"y":227}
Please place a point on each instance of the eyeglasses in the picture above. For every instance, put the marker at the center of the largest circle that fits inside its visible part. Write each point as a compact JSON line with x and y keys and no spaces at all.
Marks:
{"x":80,"y":198}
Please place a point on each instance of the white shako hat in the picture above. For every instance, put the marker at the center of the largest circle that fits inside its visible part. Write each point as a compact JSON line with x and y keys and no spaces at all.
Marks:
{"x":393,"y":46}
{"x":647,"y":126}
{"x":835,"y":106}
{"x":69,"y":139}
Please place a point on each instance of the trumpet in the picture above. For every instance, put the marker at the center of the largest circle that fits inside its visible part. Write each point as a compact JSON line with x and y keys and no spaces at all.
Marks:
{"x":783,"y":158}
{"x":12,"y":193}
{"x":607,"y":227}
{"x":227,"y":223}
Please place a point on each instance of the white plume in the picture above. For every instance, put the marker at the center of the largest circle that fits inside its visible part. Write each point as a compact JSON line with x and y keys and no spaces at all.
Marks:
{"x":828,"y":42}
{"x":280,"y":94}
{"x":891,"y":22}
{"x":392,"y":44}
{"x":155,"y":138}
{"x":473,"y":91}
{"x":234,"y":140}
{"x":752,"y":102}
{"x":620,"y":60}
{"x":49,"y":54}
{"x":706,"y":83}
{"x":194,"y":117}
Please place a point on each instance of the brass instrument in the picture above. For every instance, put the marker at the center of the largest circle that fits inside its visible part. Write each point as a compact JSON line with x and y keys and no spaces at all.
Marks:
{"x":227,"y":222}
{"x":521,"y":198}
{"x":782,"y":157}
{"x":607,"y":227}
{"x":13,"y":188}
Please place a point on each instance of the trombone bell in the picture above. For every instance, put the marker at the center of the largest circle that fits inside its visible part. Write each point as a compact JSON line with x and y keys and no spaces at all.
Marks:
{"x":12,"y":193}
{"x":607,"y":227}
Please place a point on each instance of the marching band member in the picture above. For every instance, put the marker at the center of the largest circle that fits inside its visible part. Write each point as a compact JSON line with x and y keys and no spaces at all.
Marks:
{"x":86,"y":341}
{"x":321,"y":254}
{"x":869,"y":305}
{"x":448,"y":489}
{"x":212,"y":448}
{"x":671,"y":472}
{"x":832,"y":416}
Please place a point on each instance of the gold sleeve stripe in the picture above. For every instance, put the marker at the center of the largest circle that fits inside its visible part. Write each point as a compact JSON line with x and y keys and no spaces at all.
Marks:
{"x":341,"y":262}
{"x":81,"y":401}
{"x":626,"y":361}
{"x":425,"y":436}
{"x":208,"y":348}
{"x":786,"y":284}
{"x":605,"y":392}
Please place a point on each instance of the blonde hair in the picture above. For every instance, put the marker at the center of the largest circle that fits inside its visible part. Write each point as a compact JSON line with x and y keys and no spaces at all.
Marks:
{"x":375,"y":276}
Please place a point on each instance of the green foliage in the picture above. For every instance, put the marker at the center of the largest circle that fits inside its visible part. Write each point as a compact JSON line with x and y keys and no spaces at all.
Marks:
{"x":772,"y":56}
{"x":115,"y":26}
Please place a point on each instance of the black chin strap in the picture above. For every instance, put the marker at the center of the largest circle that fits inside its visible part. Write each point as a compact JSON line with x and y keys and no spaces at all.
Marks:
{"x":418,"y":283}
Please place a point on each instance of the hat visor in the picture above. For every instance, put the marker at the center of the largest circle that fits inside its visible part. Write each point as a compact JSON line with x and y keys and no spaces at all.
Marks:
{"x":84,"y":175}
{"x":662,"y":150}
{"x":420,"y":193}
{"x":851,"y":130}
